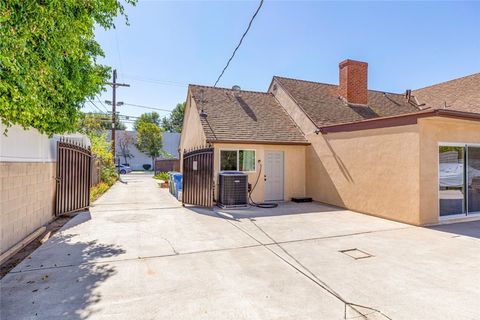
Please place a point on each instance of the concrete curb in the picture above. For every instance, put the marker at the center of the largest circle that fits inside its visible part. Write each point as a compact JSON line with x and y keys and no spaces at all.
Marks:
{"x":22,"y":244}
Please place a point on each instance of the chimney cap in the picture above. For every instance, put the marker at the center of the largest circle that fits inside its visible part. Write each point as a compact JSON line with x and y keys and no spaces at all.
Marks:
{"x":350,"y":61}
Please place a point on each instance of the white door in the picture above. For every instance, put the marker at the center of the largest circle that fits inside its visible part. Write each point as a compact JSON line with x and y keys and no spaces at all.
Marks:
{"x":273,"y":175}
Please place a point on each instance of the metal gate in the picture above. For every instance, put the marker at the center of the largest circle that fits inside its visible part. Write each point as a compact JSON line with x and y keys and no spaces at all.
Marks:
{"x":198,"y":187}
{"x":74,"y":163}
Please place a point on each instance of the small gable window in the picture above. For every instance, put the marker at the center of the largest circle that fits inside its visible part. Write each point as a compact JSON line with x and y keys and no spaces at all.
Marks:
{"x":237,"y":160}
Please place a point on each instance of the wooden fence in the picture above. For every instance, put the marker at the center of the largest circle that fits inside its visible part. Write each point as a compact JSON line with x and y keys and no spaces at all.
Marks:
{"x":166,"y":165}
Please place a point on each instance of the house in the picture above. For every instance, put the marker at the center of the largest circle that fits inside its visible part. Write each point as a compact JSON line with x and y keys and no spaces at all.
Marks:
{"x":412,"y":157}
{"x":249,"y":131}
{"x":127,"y":152}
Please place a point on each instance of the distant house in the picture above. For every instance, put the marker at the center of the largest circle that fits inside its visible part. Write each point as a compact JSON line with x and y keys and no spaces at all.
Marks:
{"x":134,"y":157}
{"x":371,"y":151}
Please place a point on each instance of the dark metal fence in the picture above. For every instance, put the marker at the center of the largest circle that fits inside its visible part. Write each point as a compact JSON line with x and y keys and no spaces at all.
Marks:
{"x":74,"y":163}
{"x":198,"y":186}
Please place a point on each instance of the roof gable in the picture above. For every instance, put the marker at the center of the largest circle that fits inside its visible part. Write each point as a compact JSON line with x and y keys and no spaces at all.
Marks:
{"x":246,"y":116}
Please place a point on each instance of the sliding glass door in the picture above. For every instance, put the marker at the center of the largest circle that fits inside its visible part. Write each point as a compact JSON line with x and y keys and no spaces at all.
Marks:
{"x":451,"y":180}
{"x":459,"y":180}
{"x":473,"y":179}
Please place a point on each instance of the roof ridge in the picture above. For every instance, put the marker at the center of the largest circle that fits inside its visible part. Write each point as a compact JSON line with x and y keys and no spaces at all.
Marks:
{"x":228,"y":89}
{"x":333,"y":85}
{"x":309,"y":81}
{"x":447,"y":81}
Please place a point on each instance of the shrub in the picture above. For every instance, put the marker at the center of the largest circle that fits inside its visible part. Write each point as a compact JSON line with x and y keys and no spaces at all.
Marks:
{"x":100,"y":149}
{"x":147,"y":166}
{"x":98,"y":190}
{"x":161,"y":176}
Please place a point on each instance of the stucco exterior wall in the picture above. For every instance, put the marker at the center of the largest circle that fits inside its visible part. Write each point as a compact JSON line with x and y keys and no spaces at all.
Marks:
{"x":434,"y":131}
{"x":370,"y":171}
{"x":192,"y":133}
{"x":27,"y":194}
{"x":294,"y":168}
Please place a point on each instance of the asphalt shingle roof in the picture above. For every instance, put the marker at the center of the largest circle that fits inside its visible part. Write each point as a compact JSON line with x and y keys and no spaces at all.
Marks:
{"x":246,"y":116}
{"x":462,"y":94}
{"x":322,"y":104}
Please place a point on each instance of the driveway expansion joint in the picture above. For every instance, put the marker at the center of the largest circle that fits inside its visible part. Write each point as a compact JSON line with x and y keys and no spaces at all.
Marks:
{"x":307,"y":273}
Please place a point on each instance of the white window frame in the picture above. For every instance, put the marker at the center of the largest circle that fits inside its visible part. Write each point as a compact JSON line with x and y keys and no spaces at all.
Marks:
{"x":238,"y":158}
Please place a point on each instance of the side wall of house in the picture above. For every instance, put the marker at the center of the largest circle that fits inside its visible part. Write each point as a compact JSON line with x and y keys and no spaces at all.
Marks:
{"x":27,"y":184}
{"x":433,"y":132}
{"x":370,"y":171}
{"x":294,"y":168}
{"x":192,"y":130}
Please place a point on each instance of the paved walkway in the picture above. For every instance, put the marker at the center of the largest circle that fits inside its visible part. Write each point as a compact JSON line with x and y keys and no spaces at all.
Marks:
{"x":139,"y":255}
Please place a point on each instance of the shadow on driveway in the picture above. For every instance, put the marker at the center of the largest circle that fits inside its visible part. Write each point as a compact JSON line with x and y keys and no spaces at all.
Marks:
{"x":283,"y":209}
{"x":59,"y":280}
{"x":469,"y":229}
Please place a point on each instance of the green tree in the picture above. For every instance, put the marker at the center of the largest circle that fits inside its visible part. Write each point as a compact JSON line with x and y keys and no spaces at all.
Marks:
{"x":174,"y":122}
{"x":48,"y":60}
{"x":96,"y":123}
{"x":149,"y":140}
{"x":149,"y":117}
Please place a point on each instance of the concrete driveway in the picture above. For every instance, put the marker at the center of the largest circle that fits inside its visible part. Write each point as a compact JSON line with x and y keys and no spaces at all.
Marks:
{"x":139,"y":255}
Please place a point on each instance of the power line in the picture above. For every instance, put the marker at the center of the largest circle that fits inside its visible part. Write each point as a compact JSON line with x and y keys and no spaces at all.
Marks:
{"x":93,"y":103}
{"x":146,"y":107}
{"x":156,"y":81}
{"x":101,"y":102}
{"x":239,"y":43}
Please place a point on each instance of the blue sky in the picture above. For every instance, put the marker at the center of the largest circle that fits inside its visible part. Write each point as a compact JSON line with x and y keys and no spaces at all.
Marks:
{"x":408,"y":45}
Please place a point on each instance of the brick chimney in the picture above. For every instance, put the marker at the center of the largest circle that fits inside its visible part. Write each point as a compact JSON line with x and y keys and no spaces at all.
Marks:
{"x":353,"y":84}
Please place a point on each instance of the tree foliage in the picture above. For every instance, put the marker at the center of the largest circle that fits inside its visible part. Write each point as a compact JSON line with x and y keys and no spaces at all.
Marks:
{"x":48,"y":60}
{"x":96,"y":123}
{"x":149,"y":140}
{"x":101,"y":150}
{"x":149,"y":117}
{"x":174,"y":122}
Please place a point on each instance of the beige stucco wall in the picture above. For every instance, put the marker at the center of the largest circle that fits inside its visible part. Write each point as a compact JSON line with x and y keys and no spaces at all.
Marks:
{"x":27,"y":191}
{"x":371,"y":171}
{"x":192,"y":130}
{"x":434,"y":131}
{"x":294,"y":168}
{"x":192,"y":133}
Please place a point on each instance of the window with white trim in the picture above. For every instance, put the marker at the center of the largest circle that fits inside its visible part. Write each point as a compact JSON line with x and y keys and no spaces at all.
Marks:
{"x":238,"y":160}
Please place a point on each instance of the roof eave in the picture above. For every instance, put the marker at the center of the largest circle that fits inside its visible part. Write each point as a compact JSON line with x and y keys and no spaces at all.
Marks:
{"x":399,"y":120}
{"x":305,"y":143}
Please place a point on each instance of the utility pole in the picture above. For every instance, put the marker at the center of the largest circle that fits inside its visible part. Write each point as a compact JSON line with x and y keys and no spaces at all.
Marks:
{"x":114,"y":103}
